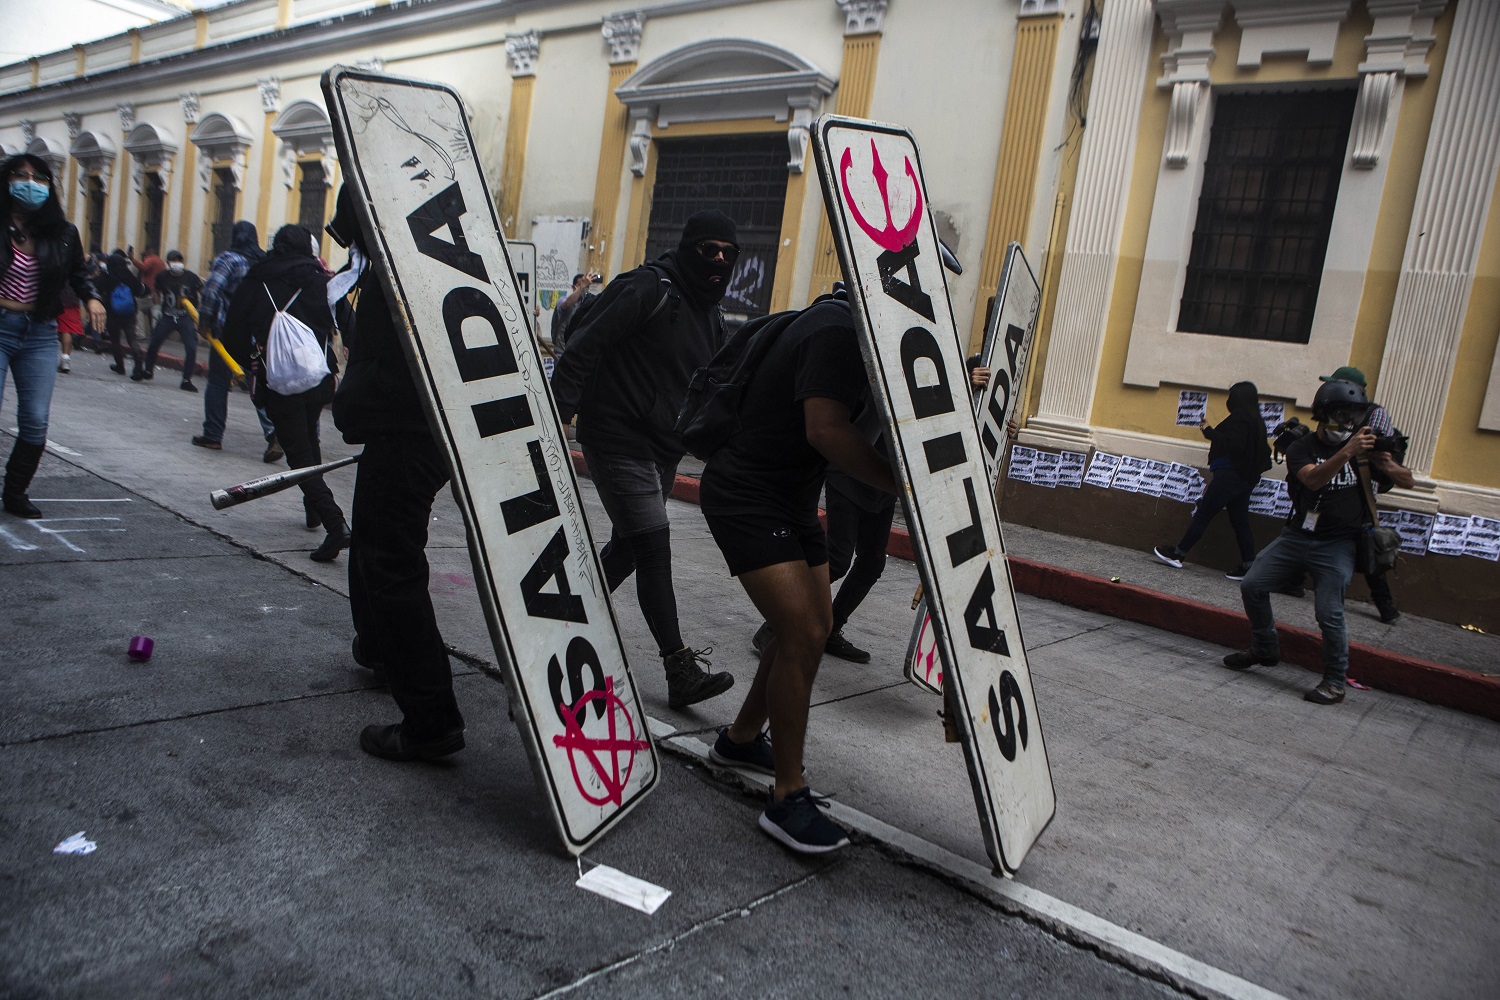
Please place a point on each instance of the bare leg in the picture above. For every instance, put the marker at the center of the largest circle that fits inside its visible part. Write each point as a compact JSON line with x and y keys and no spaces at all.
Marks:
{"x":794,"y":598}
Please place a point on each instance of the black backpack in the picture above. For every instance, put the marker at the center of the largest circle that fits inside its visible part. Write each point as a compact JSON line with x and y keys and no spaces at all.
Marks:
{"x":663,"y":286}
{"x":710,"y":412}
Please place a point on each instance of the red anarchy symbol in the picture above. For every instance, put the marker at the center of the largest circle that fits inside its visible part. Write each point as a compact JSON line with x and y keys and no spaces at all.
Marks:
{"x":928,"y":661}
{"x":890,"y":237}
{"x":610,"y":775}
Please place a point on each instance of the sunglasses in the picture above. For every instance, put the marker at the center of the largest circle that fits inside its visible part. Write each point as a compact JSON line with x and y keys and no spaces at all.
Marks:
{"x":711,"y":251}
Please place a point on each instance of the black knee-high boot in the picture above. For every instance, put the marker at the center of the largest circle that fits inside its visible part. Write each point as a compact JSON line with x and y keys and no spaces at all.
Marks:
{"x":24,"y":459}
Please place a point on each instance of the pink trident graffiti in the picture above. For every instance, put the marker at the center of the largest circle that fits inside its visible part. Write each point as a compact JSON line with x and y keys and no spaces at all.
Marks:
{"x":890,"y":237}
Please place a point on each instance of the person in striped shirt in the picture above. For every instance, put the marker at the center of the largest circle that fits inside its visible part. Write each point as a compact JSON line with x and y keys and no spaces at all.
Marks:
{"x":40,"y":254}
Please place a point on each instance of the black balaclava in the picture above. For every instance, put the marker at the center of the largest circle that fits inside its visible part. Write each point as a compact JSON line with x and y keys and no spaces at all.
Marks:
{"x":698,"y":274}
{"x":1244,"y":398}
{"x":245,"y":241}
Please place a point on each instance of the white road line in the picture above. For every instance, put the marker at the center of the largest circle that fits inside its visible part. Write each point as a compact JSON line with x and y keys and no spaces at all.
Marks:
{"x":1137,"y":950}
{"x":16,"y":543}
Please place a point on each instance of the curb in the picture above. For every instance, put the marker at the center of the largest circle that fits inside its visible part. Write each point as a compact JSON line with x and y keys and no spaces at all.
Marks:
{"x":1397,"y":673}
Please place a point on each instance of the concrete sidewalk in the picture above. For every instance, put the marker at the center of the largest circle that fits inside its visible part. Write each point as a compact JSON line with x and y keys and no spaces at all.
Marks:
{"x":1326,"y":852}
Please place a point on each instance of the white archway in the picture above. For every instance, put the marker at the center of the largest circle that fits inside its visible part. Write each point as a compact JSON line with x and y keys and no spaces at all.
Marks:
{"x":223,"y":140}
{"x":151,"y":145}
{"x":304,"y":130}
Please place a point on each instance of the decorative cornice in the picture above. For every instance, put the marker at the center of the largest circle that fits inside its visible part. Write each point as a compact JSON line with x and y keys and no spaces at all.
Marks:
{"x":74,"y":121}
{"x":640,"y":139}
{"x":1039,"y":8}
{"x":270,"y":94}
{"x":1278,"y":27}
{"x":622,"y":32}
{"x":522,"y":51}
{"x":862,"y":17}
{"x":1401,"y":36}
{"x":797,"y":134}
{"x":127,"y":117}
{"x":190,"y":111}
{"x":1190,"y":26}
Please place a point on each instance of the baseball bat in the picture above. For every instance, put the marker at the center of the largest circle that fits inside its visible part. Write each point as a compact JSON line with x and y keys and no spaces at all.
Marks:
{"x":266,"y":485}
{"x":215,"y":343}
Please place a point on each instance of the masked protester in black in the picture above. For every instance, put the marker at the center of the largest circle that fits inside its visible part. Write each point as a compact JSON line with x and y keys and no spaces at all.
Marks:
{"x":624,"y":374}
{"x":400,"y":473}
{"x":290,"y":278}
{"x":1238,"y":455}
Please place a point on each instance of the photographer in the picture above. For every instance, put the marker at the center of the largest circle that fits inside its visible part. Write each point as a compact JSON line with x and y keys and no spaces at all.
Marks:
{"x":1319,"y":539}
{"x":1387,"y":439}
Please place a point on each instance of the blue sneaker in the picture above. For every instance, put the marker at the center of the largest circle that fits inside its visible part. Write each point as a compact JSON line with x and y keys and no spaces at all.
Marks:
{"x":798,"y":822}
{"x":753,"y":756}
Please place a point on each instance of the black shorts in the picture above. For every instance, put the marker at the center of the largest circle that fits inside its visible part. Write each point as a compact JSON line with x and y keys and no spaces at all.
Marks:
{"x":755,"y":539}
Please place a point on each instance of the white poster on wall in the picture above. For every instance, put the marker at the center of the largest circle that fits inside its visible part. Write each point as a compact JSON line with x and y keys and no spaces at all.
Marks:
{"x":435,"y":242}
{"x":559,"y":243}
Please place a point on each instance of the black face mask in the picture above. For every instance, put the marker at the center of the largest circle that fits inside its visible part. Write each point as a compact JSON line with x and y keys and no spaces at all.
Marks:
{"x":698,"y":273}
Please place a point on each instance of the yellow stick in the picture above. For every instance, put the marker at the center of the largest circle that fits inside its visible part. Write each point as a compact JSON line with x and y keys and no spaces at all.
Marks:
{"x":215,"y":342}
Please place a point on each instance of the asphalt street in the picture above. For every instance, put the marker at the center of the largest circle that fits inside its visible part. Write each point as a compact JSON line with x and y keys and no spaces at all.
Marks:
{"x":1213,"y":831}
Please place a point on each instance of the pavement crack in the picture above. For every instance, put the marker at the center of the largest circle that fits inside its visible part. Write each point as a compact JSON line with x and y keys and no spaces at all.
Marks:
{"x":860,"y":694}
{"x":1070,"y":638}
{"x":736,"y":913}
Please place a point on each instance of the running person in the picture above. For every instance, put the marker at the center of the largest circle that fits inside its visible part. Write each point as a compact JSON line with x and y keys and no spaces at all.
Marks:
{"x":760,"y":498}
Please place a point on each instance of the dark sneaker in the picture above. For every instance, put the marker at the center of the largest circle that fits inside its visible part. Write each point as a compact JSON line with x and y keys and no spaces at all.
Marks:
{"x":688,"y":683}
{"x":1238,"y":573}
{"x":207,"y":442}
{"x":1244,"y":661}
{"x":1324,"y":694}
{"x":137,"y":375}
{"x":753,"y":756}
{"x":763,"y":637}
{"x":1389,"y":613}
{"x":798,"y":822}
{"x":117,"y":368}
{"x":838,"y":646}
{"x":1169,"y":555}
{"x":392,"y":743}
{"x":273,"y":451}
{"x":187,"y":386}
{"x":148,"y":374}
{"x":333,"y":543}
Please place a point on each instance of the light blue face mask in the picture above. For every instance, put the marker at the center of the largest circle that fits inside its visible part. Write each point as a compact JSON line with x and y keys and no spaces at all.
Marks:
{"x":29,"y":194}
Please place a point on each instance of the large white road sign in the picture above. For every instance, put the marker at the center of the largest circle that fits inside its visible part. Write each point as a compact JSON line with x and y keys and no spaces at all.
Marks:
{"x":877,"y":205}
{"x":435,"y":240}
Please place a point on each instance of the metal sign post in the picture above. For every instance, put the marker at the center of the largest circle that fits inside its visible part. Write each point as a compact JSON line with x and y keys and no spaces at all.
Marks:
{"x":1004,"y":351}
{"x":434,"y":240}
{"x":888,"y":246}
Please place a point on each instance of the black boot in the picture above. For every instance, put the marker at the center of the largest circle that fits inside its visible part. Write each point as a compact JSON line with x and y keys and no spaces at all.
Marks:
{"x":336,"y":540}
{"x":24,"y":459}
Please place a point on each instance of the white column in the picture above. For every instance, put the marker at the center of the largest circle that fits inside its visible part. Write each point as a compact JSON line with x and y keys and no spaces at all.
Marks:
{"x":1442,"y":246}
{"x":1086,"y":281}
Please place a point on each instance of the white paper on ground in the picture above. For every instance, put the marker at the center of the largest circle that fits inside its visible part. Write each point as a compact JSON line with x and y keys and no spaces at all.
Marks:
{"x":611,"y":883}
{"x":76,"y":844}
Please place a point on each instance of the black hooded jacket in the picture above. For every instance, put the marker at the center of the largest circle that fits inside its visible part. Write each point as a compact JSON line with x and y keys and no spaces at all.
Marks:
{"x":627,"y":366}
{"x":1240,"y":438}
{"x":289,"y":269}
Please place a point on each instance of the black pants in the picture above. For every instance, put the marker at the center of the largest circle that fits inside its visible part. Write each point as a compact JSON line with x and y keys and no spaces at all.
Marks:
{"x":398,"y":479}
{"x":116,"y":329}
{"x":857,"y":540}
{"x":296,"y":421}
{"x":1225,"y":491}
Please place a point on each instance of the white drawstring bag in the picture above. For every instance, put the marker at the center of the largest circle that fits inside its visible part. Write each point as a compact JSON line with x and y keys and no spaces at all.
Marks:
{"x":294,"y":361}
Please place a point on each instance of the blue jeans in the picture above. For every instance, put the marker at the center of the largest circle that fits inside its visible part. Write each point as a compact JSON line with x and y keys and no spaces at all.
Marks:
{"x":1282,"y":564}
{"x":28,"y":350}
{"x":216,"y":402}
